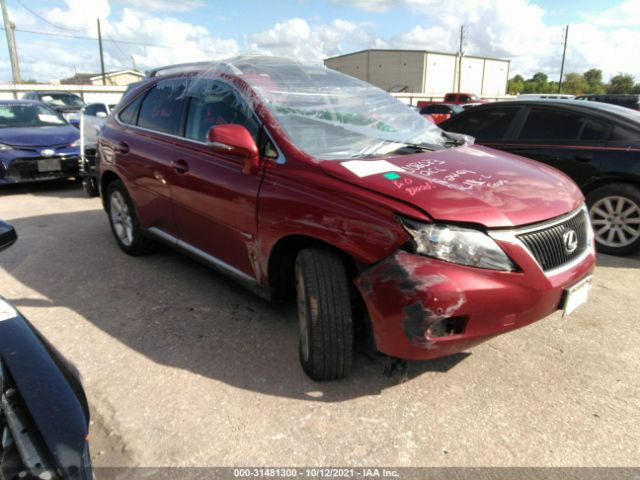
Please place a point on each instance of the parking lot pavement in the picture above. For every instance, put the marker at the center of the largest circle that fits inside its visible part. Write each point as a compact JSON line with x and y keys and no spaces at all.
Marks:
{"x":183,"y":367}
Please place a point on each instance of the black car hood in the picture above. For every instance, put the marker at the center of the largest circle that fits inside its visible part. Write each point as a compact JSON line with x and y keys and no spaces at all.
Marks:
{"x":46,"y":386}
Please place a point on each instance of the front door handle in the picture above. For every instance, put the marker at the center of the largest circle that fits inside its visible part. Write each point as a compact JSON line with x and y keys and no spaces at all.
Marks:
{"x":583,"y":157}
{"x":180,"y":166}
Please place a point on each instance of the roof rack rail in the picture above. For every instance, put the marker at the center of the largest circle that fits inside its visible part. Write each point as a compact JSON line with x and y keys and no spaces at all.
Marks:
{"x":157,"y":71}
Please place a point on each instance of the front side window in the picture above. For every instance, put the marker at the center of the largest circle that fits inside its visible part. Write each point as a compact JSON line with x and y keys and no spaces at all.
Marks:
{"x":163,"y":107}
{"x":218,"y":103}
{"x":487,"y":124}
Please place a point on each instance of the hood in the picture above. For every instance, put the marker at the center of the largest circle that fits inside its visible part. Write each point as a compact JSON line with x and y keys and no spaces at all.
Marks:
{"x":57,"y":408}
{"x":39,"y":136}
{"x":470,"y":184}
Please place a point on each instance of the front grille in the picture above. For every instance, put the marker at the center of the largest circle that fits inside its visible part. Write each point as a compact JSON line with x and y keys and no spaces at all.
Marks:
{"x":547,"y":243}
{"x":27,"y":168}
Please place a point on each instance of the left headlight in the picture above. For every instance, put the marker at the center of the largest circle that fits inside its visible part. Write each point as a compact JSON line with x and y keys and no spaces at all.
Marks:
{"x":453,"y":244}
{"x":76,"y":143}
{"x":4,"y":147}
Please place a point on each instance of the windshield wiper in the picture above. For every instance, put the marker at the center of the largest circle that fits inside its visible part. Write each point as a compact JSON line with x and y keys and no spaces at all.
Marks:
{"x":452,"y":141}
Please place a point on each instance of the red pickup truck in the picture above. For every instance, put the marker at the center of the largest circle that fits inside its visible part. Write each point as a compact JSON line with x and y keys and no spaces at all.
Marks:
{"x":456,"y":99}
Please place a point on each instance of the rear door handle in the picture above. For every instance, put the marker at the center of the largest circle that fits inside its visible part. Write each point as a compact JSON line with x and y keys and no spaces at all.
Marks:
{"x":121,"y":148}
{"x":583,"y":157}
{"x":180,"y":166}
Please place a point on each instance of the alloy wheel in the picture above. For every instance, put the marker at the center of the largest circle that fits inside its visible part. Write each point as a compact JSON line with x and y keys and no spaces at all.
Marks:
{"x":616,"y":221}
{"x":121,"y":218}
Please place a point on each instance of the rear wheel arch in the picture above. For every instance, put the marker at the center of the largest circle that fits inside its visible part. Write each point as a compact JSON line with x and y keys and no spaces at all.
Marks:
{"x":105,"y":179}
{"x":594,"y":184}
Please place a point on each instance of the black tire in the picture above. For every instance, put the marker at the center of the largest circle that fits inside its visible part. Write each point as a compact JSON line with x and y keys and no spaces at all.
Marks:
{"x":605,"y":218}
{"x":133,"y":242}
{"x":324,"y":310}
{"x":90,"y":186}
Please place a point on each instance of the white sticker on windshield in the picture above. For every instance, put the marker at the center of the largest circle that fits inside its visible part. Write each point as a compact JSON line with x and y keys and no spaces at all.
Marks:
{"x":364,"y":168}
{"x":44,"y":117}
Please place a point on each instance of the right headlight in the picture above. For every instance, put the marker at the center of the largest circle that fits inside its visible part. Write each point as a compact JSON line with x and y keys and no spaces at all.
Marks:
{"x":454,"y":244}
{"x":4,"y":147}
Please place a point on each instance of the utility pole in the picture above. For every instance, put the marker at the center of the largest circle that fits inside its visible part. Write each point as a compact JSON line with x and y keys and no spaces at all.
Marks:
{"x":133,"y":61}
{"x":104,"y":78}
{"x":9,"y":28}
{"x":460,"y":53}
{"x":564,"y":53}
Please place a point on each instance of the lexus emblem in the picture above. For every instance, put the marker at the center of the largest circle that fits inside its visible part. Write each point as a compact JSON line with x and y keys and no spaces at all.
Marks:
{"x":47,"y":152}
{"x":570,"y":241}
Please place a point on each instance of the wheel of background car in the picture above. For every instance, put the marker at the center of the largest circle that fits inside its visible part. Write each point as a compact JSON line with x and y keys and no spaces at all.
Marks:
{"x":90,"y":186}
{"x":324,"y":314}
{"x":615,"y":215}
{"x":123,"y":221}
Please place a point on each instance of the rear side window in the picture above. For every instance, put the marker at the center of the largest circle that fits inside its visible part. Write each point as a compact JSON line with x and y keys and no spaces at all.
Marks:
{"x":218,"y":103}
{"x":551,"y":124}
{"x":487,"y":124}
{"x":129,"y":114}
{"x":163,"y":107}
{"x":620,"y":134}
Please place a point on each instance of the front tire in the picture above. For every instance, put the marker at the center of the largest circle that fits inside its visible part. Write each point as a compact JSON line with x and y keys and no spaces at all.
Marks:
{"x":324,"y":313}
{"x":123,"y":221}
{"x":615,"y":215}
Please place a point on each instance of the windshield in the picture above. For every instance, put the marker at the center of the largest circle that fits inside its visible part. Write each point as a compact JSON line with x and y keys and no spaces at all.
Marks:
{"x":330,"y":115}
{"x":62,"y":100}
{"x":28,"y":115}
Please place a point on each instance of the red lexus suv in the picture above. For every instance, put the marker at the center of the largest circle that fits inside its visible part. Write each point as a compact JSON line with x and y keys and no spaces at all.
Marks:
{"x":301,"y":182}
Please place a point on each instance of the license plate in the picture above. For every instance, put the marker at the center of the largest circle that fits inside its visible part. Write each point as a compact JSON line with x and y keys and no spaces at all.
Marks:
{"x":576,"y":295}
{"x":49,"y":165}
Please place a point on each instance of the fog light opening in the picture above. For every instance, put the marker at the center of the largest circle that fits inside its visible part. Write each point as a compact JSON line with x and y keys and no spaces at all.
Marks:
{"x":447,"y":327}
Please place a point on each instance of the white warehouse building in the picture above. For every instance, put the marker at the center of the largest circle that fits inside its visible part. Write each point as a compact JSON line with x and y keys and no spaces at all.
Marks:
{"x":425,"y":72}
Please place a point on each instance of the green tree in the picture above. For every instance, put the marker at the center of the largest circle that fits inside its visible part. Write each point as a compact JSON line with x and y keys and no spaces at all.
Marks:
{"x":575,"y":84}
{"x":621,"y":83}
{"x":539,"y":83}
{"x":515,"y":85}
{"x":593,"y":78}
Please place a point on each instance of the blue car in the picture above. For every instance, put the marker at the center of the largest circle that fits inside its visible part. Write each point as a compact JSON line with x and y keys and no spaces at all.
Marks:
{"x":36,"y":143}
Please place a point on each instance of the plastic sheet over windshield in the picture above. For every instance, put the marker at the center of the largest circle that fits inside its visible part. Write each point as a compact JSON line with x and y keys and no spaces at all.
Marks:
{"x":330,"y":115}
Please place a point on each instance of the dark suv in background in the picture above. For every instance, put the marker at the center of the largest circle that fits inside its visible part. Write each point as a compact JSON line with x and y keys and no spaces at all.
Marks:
{"x":299,"y":181}
{"x":596,"y":144}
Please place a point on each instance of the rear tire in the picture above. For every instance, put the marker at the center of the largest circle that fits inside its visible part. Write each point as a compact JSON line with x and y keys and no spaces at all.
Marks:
{"x":123,"y":221}
{"x":90,"y":186}
{"x":615,"y":215}
{"x":325,"y":314}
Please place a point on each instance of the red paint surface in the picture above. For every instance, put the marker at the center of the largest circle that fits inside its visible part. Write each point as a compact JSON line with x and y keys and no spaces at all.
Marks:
{"x":240,"y":218}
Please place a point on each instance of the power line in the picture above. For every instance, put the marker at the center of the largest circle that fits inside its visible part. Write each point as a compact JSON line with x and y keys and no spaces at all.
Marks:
{"x":86,"y":37}
{"x":47,"y":21}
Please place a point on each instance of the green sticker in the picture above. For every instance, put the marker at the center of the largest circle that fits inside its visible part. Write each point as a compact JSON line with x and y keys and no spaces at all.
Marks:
{"x":391,"y":176}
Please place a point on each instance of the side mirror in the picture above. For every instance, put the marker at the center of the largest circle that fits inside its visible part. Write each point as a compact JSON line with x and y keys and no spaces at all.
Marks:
{"x":101,"y":114}
{"x":8,"y":235}
{"x":233,"y":139}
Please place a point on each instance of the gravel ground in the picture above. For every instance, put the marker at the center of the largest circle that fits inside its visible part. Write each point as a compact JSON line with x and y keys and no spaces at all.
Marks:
{"x":184,"y":368}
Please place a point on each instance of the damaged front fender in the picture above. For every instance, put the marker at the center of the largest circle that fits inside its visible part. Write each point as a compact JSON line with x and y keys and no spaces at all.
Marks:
{"x":407,"y":295}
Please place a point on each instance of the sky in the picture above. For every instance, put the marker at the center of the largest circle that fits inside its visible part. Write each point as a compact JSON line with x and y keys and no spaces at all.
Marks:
{"x":151,"y":33}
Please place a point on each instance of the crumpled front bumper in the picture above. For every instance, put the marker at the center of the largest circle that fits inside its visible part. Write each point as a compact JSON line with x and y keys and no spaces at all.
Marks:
{"x":421,"y":308}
